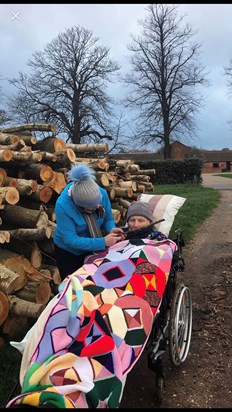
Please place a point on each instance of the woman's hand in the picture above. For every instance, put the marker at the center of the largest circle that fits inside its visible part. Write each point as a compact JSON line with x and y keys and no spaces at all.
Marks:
{"x":118,"y":231}
{"x":112,"y":238}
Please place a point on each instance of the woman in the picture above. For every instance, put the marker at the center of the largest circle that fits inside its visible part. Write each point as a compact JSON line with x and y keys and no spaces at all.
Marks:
{"x":83,"y":211}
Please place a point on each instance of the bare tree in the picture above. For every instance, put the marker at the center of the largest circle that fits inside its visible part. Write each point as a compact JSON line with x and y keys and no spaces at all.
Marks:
{"x":4,"y":117}
{"x":68,"y":87}
{"x":164,"y":72}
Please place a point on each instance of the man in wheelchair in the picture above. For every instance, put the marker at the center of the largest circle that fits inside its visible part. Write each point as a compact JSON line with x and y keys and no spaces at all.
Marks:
{"x":94,"y":330}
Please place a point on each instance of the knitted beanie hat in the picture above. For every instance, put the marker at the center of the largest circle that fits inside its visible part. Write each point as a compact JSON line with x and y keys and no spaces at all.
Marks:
{"x":139,"y":209}
{"x":84,"y":191}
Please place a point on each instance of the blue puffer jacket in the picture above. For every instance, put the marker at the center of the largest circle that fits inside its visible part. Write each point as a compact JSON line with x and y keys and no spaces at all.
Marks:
{"x":72,"y":233}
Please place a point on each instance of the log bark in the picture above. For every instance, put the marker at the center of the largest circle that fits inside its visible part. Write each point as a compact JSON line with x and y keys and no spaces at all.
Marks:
{"x":65,"y":157}
{"x":24,"y":308}
{"x":117,"y":215}
{"x":3,"y":176}
{"x":39,"y":172}
{"x":15,"y":326}
{"x":8,"y":280}
{"x":7,"y":139}
{"x":38,"y":292}
{"x":40,"y":127}
{"x":29,"y":139}
{"x":4,"y":307}
{"x":123,"y":192}
{"x":22,"y":217}
{"x":89,"y":147}
{"x":17,"y":264}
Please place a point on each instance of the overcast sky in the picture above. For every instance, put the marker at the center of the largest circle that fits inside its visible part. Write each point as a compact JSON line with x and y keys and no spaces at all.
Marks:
{"x":27,"y":28}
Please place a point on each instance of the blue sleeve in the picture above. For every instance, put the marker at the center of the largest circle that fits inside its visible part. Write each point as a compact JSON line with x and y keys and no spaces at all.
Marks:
{"x":109,"y":222}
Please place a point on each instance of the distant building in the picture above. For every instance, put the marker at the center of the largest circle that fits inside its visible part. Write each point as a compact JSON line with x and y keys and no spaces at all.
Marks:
{"x":213,"y":160}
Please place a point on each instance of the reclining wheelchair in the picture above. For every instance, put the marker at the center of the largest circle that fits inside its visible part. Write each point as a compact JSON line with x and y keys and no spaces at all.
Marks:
{"x":172,"y":326}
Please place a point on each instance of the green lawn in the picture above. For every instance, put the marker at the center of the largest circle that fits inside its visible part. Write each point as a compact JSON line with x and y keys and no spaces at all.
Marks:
{"x":229,"y":175}
{"x":199,"y":204}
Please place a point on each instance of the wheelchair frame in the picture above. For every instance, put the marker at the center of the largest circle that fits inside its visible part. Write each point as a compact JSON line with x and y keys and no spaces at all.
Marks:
{"x":172,"y":326}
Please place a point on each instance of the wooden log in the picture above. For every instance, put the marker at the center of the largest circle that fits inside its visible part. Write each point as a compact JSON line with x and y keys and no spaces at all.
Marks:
{"x":3,"y":176}
{"x":116,"y":215}
{"x":112,"y":177}
{"x":124,"y":163}
{"x":111,"y":192}
{"x":6,"y":139}
{"x":26,"y":246}
{"x":102,"y":179}
{"x":123,"y":192}
{"x":141,"y":188}
{"x":50,"y":144}
{"x":40,"y":127}
{"x":128,"y":184}
{"x":6,"y":155}
{"x":8,"y":280}
{"x":9,"y":195}
{"x":55,"y":274}
{"x":65,"y":157}
{"x":46,"y":156}
{"x":31,"y":234}
{"x":22,"y":217}
{"x":24,"y":308}
{"x":140,"y":177}
{"x":38,"y":292}
{"x":47,"y":248}
{"x":4,"y":307}
{"x":57,"y":183}
{"x":89,"y":147}
{"x":17,"y":264}
{"x":43,"y":194}
{"x":15,"y":326}
{"x":96,"y":164}
{"x":11,"y":182}
{"x":39,"y":172}
{"x":23,"y":157}
{"x":27,"y":186}
{"x":29,"y":139}
{"x":125,"y":203}
{"x":4,"y":236}
{"x":13,"y":146}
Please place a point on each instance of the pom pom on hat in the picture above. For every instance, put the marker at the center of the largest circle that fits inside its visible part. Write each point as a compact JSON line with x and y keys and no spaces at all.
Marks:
{"x":85,"y":191}
{"x":139,"y":209}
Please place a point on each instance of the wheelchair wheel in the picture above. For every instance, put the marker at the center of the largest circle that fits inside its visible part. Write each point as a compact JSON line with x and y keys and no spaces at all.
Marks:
{"x":180,"y":324}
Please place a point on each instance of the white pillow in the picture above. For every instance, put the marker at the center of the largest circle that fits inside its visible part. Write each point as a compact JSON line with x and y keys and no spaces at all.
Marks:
{"x":163,"y":207}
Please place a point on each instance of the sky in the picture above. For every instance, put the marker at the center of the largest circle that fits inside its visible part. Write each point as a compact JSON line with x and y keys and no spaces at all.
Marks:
{"x":28,"y":28}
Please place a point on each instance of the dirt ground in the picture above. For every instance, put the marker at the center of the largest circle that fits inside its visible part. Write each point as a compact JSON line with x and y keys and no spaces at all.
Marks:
{"x":204,"y":379}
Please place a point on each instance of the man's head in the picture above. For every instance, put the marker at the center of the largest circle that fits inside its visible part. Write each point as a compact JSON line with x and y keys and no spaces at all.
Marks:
{"x":85,"y":192}
{"x":139,"y":215}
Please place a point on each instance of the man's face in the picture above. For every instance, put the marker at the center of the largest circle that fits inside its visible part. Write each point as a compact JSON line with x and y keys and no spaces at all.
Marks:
{"x":137,"y":222}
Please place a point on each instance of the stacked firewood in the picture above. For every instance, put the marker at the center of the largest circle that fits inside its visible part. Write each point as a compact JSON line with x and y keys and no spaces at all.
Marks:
{"x":32,"y":175}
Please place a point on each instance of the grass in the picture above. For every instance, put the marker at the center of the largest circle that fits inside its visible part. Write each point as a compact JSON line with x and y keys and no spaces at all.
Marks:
{"x":228,"y":175}
{"x":200,"y":203}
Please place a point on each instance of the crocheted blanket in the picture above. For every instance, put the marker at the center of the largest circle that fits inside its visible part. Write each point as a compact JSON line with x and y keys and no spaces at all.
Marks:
{"x":93,"y":332}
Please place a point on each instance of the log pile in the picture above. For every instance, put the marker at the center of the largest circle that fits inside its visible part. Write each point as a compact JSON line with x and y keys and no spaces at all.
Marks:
{"x":32,"y":175}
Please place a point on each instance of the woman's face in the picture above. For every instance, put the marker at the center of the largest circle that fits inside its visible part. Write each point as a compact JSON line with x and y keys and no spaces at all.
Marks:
{"x":137,"y":222}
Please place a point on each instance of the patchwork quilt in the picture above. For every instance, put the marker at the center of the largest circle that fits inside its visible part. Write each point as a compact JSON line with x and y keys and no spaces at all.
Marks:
{"x":94,"y":330}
